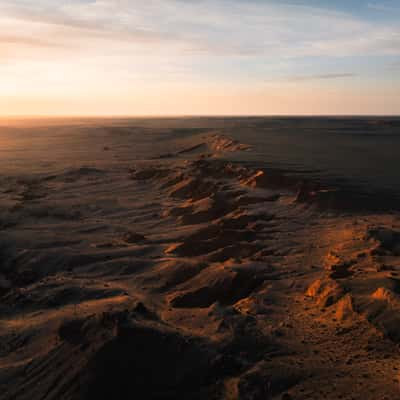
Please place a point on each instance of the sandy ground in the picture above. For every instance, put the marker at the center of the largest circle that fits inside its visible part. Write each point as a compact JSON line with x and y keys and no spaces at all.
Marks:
{"x":188,"y":277}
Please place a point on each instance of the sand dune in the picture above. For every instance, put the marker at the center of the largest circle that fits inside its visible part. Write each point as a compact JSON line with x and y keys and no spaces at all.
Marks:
{"x":193,"y":277}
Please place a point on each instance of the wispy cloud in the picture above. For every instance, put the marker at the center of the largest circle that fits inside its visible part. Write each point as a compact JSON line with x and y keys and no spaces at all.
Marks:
{"x":212,"y":27}
{"x":382,"y":7}
{"x":14,"y":40}
{"x":323,"y":76}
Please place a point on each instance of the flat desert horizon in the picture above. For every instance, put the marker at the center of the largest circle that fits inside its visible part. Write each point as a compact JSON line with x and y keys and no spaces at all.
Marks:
{"x":199,"y":200}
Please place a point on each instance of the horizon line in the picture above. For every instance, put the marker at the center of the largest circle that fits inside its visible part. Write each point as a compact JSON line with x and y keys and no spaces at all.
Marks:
{"x":143,"y":116}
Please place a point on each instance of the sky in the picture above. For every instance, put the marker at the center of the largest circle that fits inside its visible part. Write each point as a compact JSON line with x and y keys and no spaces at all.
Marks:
{"x":199,"y":57}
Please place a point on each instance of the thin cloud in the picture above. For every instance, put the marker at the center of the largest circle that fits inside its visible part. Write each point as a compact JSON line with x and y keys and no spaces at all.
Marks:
{"x":222,"y":40}
{"x":25,"y":41}
{"x":382,"y":7}
{"x":228,"y":27}
{"x":323,"y":77}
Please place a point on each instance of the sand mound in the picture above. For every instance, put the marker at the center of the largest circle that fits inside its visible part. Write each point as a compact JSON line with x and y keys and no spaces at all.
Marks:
{"x":172,"y":273}
{"x":195,"y":148}
{"x":205,"y":210}
{"x":148,"y":173}
{"x":325,"y":292}
{"x":388,"y":240}
{"x":357,"y":283}
{"x":56,"y":294}
{"x":223,"y":285}
{"x":211,"y":143}
{"x":210,"y":239}
{"x":383,"y":312}
{"x":193,"y":188}
{"x":258,"y":384}
{"x":153,"y":362}
{"x":387,"y":296}
{"x":222,"y":143}
{"x":116,"y":354}
{"x":345,"y":310}
{"x":268,"y":179}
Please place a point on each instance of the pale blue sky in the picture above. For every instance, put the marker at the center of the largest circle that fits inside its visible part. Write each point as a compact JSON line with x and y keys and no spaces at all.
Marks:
{"x":199,"y":57}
